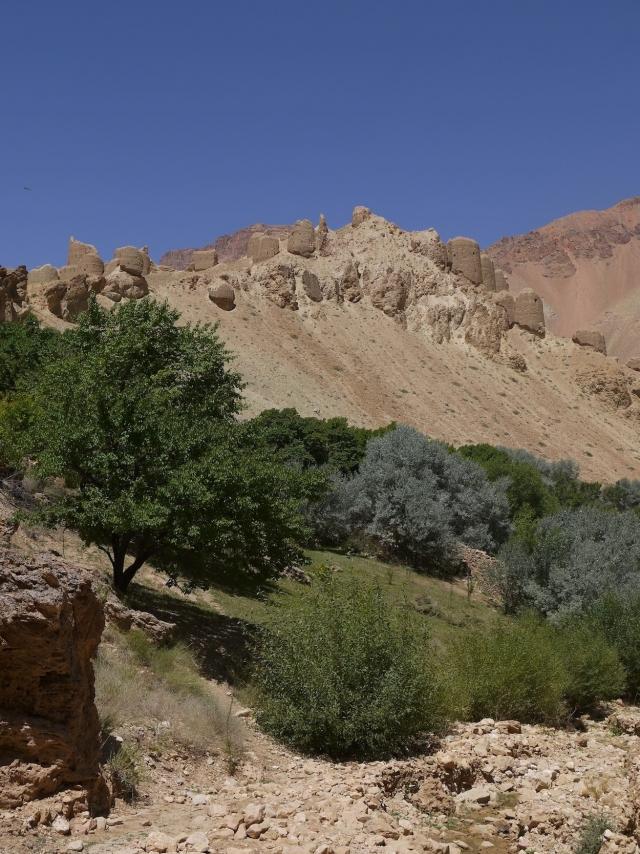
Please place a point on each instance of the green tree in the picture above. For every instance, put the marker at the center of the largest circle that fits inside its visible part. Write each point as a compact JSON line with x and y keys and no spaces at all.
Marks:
{"x":24,"y":347}
{"x":137,"y":414}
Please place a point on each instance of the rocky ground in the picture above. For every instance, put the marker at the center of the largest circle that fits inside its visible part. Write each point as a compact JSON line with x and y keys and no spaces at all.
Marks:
{"x":493,"y":786}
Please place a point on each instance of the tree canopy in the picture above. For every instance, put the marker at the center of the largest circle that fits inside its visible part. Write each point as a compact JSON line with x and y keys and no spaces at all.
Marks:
{"x":138,"y":415}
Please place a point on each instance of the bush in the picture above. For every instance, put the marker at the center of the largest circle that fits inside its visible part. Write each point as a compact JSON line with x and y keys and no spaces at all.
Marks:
{"x":592,"y":834}
{"x":311,"y":442}
{"x":568,"y":560}
{"x":527,"y":492}
{"x":126,"y":771}
{"x":595,"y":672}
{"x":342,"y":672}
{"x":619,"y":620}
{"x":510,"y":669}
{"x":415,"y":501}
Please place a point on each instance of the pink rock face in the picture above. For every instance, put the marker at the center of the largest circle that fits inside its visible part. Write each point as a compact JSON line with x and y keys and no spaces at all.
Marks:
{"x":50,"y":626}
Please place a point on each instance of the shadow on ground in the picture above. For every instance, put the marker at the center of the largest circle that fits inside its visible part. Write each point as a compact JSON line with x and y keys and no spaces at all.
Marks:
{"x":222,"y":644}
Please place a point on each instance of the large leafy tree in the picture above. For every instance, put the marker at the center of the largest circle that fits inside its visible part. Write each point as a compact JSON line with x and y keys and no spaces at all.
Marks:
{"x":138,"y":415}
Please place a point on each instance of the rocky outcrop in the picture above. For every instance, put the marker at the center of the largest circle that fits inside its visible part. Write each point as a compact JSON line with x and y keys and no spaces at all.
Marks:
{"x":42,"y":275}
{"x":529,"y":312}
{"x":68,"y":299}
{"x":488,"y":272}
{"x":389,"y":291}
{"x":131,"y":260}
{"x":359,"y":215}
{"x":302,"y":240}
{"x":634,"y":364}
{"x":311,"y":286}
{"x":279,"y":285}
{"x":322,"y":233}
{"x":90,"y":264}
{"x":126,"y":619}
{"x":261,"y":247}
{"x":464,"y":258}
{"x":203,"y":259}
{"x":223,"y":295}
{"x":121,"y":283}
{"x":508,"y":303}
{"x":50,"y":626}
{"x":501,"y":281}
{"x":13,"y":293}
{"x":77,"y":250}
{"x":590,"y":338}
{"x":608,"y":385}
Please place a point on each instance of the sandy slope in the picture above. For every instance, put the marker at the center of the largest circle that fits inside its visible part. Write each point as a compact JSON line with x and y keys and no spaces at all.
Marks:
{"x":354,"y":361}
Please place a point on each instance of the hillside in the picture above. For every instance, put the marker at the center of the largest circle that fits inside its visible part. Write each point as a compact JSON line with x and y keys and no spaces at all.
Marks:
{"x":586,"y":268}
{"x":378,"y":324}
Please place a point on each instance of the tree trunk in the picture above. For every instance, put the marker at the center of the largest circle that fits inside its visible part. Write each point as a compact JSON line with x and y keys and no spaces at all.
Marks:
{"x":122,"y":577}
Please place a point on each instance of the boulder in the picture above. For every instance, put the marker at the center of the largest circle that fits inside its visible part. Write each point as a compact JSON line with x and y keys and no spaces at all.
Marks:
{"x":125,"y":619}
{"x":223,"y":296}
{"x":90,"y":264}
{"x":488,"y":272}
{"x":76,"y":298}
{"x":77,"y":250}
{"x":501,"y":281}
{"x":508,"y":303}
{"x":147,"y":263}
{"x":42,"y":275}
{"x":203,"y":259}
{"x":131,"y":260}
{"x":126,"y":284}
{"x":262,"y":247}
{"x":67,"y":272}
{"x":634,"y":364}
{"x":302,"y":240}
{"x":529,"y":311}
{"x":464,"y":258}
{"x":53,"y":295}
{"x":590,"y":338}
{"x":311,"y":286}
{"x":359,"y":215}
{"x":50,"y":625}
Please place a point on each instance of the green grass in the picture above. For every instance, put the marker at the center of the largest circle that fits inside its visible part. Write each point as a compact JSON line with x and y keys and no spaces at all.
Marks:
{"x":444,"y":604}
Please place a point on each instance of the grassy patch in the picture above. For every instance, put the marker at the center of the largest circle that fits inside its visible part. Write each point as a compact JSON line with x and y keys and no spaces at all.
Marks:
{"x":138,"y":684}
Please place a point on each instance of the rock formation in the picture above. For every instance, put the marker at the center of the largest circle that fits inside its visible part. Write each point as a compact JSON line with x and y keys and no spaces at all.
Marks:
{"x":360,"y":214}
{"x":302,"y":240}
{"x":488,"y":272}
{"x":464,"y":258}
{"x":261,"y":247}
{"x":311,"y":286}
{"x":13,"y":293}
{"x":42,"y":275}
{"x":122,"y":283}
{"x":203,"y":259}
{"x":77,"y":251}
{"x":68,"y":299}
{"x":131,"y":260}
{"x":529,"y":311}
{"x":586,"y":268}
{"x":223,"y":296}
{"x":590,"y":338}
{"x":501,"y":281}
{"x":50,"y":626}
{"x":508,"y":303}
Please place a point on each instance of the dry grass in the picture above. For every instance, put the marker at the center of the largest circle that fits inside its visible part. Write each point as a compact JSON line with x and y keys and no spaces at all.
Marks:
{"x":160,"y":689}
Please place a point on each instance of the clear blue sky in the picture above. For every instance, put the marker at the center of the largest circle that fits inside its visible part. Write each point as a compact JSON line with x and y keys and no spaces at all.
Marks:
{"x":169,"y":123}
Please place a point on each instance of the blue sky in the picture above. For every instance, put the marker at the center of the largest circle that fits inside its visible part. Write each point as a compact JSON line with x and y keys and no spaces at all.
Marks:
{"x":167,"y":124}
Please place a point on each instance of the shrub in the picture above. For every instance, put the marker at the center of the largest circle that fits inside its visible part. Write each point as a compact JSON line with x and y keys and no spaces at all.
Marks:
{"x":307,"y":441}
{"x":595,"y":672}
{"x":568,"y":560}
{"x":619,"y":620}
{"x":416,"y":501}
{"x":527,"y":492}
{"x":592,"y":835}
{"x":126,"y":771}
{"x":342,"y":672}
{"x":510,"y":669}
